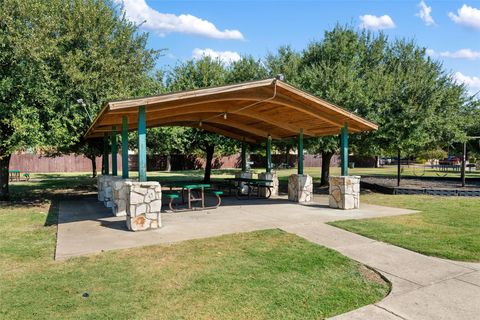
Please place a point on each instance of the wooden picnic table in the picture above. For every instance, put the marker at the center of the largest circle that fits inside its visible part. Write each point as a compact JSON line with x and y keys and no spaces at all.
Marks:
{"x":191,"y":188}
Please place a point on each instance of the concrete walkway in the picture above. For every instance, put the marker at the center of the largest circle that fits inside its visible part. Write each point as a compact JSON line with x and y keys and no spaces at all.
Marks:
{"x":422,"y":287}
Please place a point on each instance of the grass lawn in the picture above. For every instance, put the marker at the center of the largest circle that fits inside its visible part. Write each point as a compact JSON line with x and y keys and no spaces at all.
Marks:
{"x":74,"y":182}
{"x":446,"y":227}
{"x":283,"y":174}
{"x":260,"y":275}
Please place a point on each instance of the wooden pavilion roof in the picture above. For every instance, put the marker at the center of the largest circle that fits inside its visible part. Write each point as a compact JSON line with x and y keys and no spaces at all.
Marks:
{"x":249,"y":111}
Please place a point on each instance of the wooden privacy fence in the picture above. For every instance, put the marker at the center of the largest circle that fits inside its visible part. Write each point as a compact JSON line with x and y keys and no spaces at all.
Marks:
{"x":27,"y":162}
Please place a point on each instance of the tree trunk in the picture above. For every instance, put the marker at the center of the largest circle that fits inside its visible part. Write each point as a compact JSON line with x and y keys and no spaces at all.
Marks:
{"x":398,"y":168}
{"x":326,"y":160}
{"x":287,"y":152}
{"x":464,"y":163}
{"x":377,"y":162}
{"x":103,"y":165}
{"x":94,"y":166}
{"x":4,"y":177}
{"x":169,"y":163}
{"x":208,"y":164}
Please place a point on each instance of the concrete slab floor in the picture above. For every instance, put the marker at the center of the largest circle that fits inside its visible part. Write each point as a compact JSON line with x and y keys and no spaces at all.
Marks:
{"x":422,"y":287}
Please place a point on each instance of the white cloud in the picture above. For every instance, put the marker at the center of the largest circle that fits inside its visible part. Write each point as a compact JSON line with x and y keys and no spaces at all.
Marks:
{"x":459,"y":54}
{"x":224,"y":56}
{"x":138,"y":11}
{"x":425,"y":13}
{"x":431,"y":53}
{"x":472,"y":82}
{"x":466,"y":16}
{"x":372,"y":22}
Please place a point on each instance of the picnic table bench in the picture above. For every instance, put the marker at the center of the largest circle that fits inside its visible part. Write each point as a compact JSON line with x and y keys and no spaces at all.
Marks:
{"x":195,"y":192}
{"x":14,"y":175}
{"x":253,"y":185}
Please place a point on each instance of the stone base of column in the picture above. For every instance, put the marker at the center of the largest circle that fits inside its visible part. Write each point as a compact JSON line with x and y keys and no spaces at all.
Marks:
{"x":144,"y":203}
{"x":120,"y":189}
{"x":344,"y":192}
{"x":274,"y":184}
{"x":105,"y":192}
{"x":300,"y":188}
{"x":245,"y":175}
{"x":100,"y":185}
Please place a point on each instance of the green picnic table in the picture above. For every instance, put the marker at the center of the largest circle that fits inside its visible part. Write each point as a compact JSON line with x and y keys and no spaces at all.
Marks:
{"x":14,"y":175}
{"x":191,"y":189}
{"x":254,"y":186}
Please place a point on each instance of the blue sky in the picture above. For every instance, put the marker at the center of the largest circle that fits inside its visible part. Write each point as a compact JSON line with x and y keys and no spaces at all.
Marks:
{"x":450,"y":30}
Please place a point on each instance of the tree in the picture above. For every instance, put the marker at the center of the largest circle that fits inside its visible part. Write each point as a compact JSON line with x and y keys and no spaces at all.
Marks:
{"x":208,"y":72}
{"x":54,"y":53}
{"x":331,"y":69}
{"x":286,"y":62}
{"x":195,"y":74}
{"x":412,"y":99}
{"x":102,"y":57}
{"x":168,"y":141}
{"x":29,"y":112}
{"x":326,"y":147}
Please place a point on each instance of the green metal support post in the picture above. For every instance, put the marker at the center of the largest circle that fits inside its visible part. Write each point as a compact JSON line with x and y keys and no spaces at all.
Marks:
{"x":124,"y":147}
{"x":344,"y":150}
{"x":269,"y":154}
{"x":244,"y":156}
{"x":106,"y":165}
{"x":300,"y":152}
{"x":142,"y":145}
{"x":114,"y":151}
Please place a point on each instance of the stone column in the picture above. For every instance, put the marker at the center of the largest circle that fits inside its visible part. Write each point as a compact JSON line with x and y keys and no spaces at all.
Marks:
{"x":101,"y":192}
{"x":107,"y":188}
{"x":344,"y":192}
{"x":274,"y":184}
{"x":245,"y":175}
{"x":120,"y":189}
{"x":300,"y":188}
{"x":144,"y":203}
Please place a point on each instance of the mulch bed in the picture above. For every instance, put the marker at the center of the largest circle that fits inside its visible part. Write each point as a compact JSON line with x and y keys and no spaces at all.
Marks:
{"x":391,"y":182}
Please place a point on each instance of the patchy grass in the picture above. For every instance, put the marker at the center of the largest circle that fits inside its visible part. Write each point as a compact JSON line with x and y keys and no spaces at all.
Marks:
{"x":446,"y":227}
{"x":47,"y":185}
{"x":260,"y":275}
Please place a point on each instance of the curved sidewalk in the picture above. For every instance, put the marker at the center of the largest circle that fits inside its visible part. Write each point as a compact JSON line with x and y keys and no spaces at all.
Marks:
{"x":422,"y":287}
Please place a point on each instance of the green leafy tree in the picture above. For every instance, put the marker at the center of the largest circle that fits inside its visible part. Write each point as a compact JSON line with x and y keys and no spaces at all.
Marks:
{"x":102,"y":57}
{"x":326,"y":147}
{"x":412,"y":99}
{"x":246,"y":69}
{"x":168,"y":141}
{"x":208,"y":72}
{"x":54,"y":53}
{"x":195,"y":74}
{"x":285,"y":61}
{"x":30,"y":108}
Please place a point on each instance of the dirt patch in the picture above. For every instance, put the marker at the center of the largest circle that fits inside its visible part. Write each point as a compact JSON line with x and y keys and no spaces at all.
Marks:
{"x":372,"y":275}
